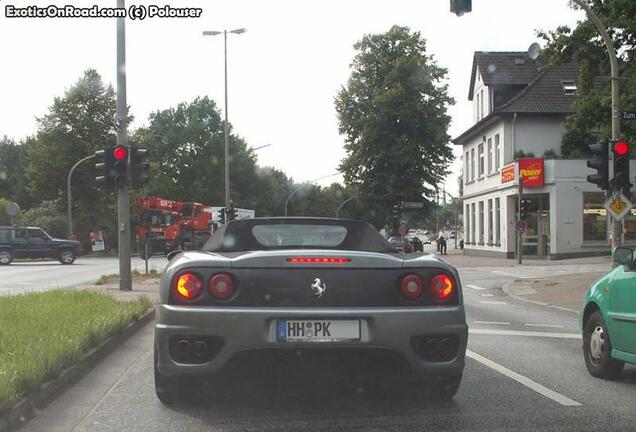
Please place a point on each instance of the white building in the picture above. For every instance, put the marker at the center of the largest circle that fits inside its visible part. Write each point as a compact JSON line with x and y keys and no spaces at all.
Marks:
{"x":517,"y":108}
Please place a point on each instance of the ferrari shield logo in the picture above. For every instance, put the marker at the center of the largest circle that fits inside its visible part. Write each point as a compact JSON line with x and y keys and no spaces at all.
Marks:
{"x":318,"y":287}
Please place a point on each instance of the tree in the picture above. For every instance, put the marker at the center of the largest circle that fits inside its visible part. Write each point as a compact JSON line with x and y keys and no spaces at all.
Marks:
{"x":76,"y":126}
{"x":186,"y":146}
{"x":393,"y":114}
{"x":12,"y":180}
{"x":592,"y":117}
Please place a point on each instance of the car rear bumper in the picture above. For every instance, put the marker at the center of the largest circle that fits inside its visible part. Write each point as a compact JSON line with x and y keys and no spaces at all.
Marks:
{"x":238,"y":330}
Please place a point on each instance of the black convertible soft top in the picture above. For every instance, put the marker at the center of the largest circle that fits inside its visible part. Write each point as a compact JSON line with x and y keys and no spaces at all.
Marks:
{"x":297,"y":233}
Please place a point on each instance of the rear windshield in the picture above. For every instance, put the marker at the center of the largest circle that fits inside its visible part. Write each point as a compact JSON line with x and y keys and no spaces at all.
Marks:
{"x":296,"y":233}
{"x":299,"y":235}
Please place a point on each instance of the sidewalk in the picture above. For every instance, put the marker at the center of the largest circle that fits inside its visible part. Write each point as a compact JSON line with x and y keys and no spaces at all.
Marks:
{"x":563,"y":292}
{"x":458,"y":259}
{"x":147,"y":287}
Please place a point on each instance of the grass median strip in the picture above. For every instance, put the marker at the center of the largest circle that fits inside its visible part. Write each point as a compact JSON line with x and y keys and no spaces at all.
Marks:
{"x":41,"y":334}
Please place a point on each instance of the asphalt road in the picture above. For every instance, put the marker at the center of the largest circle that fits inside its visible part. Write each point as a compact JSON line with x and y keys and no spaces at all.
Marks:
{"x":524,"y":372}
{"x":24,"y":276}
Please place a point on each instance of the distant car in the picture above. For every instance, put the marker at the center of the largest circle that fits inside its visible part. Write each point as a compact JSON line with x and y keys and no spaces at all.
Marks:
{"x":608,"y":319}
{"x":287,"y":285}
{"x":33,"y":242}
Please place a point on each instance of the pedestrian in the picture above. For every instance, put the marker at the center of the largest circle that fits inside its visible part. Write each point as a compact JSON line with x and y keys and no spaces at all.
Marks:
{"x":461,"y":244}
{"x":443,"y":246}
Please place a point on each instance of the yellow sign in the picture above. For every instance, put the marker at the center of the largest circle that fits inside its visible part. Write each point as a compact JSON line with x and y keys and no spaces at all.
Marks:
{"x":618,"y":206}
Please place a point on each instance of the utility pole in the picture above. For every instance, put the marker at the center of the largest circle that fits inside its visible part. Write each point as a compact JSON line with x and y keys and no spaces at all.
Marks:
{"x":617,"y":225}
{"x":123,"y":198}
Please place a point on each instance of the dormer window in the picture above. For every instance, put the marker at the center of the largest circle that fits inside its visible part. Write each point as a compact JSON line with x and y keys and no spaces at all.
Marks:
{"x":569,"y":88}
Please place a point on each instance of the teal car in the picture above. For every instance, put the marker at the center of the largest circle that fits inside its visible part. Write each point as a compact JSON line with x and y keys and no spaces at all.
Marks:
{"x":608,"y":319}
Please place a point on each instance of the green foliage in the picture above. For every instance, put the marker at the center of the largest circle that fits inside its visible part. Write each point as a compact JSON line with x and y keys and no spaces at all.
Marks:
{"x":393,"y":113}
{"x":41,"y":334}
{"x":549,"y":153}
{"x":76,"y":126}
{"x":520,"y":154}
{"x":4,"y":217}
{"x":592,"y":118}
{"x":12,"y":181}
{"x":186,"y":146}
{"x":47,"y":216}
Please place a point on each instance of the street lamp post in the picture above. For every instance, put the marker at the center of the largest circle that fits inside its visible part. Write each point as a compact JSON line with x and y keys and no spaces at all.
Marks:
{"x":225,"y":129}
{"x":306,"y":184}
{"x":342,"y":205}
{"x":69,"y":207}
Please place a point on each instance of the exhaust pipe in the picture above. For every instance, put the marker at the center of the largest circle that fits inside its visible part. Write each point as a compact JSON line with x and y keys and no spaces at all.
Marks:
{"x":184,"y":346}
{"x":199,"y":348}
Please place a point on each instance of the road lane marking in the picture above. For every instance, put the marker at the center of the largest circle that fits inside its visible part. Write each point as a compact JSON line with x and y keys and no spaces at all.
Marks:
{"x":524,"y":333}
{"x":478,"y":288}
{"x":487,"y":295}
{"x":492,"y":302}
{"x":544,"y":325}
{"x":492,"y":322}
{"x":533,"y":385}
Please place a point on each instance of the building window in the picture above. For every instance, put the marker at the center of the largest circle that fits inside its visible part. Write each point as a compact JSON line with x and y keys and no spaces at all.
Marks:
{"x":490,"y":223}
{"x":489,"y":155}
{"x":478,"y":116}
{"x":472,"y":223}
{"x":594,"y":217}
{"x":497,"y":154}
{"x":467,"y":224}
{"x":467,"y":174}
{"x":569,"y":88}
{"x":481,"y":222}
{"x":472,"y":164}
{"x":629,"y":224}
{"x":481,"y":159}
{"x":497,"y":222}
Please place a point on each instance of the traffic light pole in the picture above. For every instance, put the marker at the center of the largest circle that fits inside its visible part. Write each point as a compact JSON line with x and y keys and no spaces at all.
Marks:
{"x":69,"y":200}
{"x":123,"y":199}
{"x":617,"y":226}
{"x":519,"y":233}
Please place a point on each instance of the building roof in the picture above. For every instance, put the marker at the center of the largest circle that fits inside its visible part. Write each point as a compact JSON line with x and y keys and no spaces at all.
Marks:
{"x":541,"y":90}
{"x":503,"y":68}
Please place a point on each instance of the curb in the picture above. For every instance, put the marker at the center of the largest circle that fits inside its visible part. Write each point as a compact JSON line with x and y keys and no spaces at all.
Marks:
{"x":28,"y":408}
{"x":506,"y":288}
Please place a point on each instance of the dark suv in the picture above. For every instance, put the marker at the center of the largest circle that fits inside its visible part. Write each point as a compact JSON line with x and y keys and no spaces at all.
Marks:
{"x":33,"y":242}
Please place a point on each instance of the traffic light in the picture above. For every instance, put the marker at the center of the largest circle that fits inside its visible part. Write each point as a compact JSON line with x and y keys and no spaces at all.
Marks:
{"x":525,"y":209}
{"x":460,"y":7}
{"x":120,"y":154}
{"x":621,"y":183}
{"x":600,"y":164}
{"x":221,"y":214}
{"x":231,"y":214}
{"x":396,"y":211}
{"x":105,"y":166}
{"x":139,"y":166}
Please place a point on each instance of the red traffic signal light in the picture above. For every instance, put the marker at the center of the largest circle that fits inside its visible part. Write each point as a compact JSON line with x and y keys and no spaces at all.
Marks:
{"x":120,"y":153}
{"x":621,"y":148}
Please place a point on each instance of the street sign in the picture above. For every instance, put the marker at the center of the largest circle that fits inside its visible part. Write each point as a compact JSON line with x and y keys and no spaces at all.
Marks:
{"x":403,"y":221}
{"x":618,"y":206}
{"x":412,"y":205}
{"x":12,"y":209}
{"x":628,"y":115}
{"x":402,"y":229}
{"x":521,"y":225}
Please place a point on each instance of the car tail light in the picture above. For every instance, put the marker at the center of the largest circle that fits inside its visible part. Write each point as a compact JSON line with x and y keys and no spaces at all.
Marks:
{"x":442,"y":287}
{"x":411,"y":287}
{"x":221,"y":286}
{"x":188,"y":286}
{"x":318,"y":260}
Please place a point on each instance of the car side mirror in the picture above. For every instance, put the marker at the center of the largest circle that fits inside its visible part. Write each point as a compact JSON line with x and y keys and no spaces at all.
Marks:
{"x":623,"y":256}
{"x":173,"y":253}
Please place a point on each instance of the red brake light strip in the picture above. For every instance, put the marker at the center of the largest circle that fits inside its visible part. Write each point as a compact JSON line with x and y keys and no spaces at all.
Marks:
{"x":318,"y":260}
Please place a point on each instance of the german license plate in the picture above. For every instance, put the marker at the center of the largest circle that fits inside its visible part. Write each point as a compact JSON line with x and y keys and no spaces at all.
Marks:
{"x":318,"y":330}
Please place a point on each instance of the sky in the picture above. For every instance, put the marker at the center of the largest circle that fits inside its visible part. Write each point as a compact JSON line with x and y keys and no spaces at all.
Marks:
{"x":283,"y":73}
